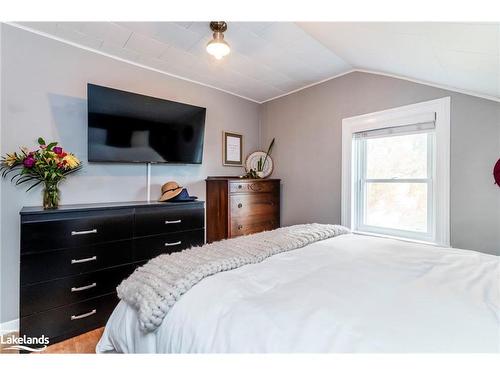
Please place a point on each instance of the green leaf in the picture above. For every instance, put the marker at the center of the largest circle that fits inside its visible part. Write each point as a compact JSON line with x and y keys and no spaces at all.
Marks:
{"x":25,"y":179}
{"x":16,"y":175}
{"x":9,"y":171}
{"x":41,"y":141}
{"x":35,"y":184}
{"x":50,"y":145}
{"x":268,"y":152}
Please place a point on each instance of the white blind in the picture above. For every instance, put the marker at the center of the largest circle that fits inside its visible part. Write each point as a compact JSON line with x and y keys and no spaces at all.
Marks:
{"x":413,"y":125}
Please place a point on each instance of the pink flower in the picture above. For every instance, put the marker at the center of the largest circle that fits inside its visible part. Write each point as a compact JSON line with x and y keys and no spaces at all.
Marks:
{"x":58,"y":150}
{"x":43,"y":146}
{"x":29,"y":162}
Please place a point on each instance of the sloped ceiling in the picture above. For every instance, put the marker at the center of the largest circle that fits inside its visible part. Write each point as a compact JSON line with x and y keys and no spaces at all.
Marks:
{"x":464,"y":56}
{"x":271,"y":59}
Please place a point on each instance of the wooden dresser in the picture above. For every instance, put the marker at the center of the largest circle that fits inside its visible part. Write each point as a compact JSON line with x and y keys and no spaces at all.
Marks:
{"x":241,"y":206}
{"x":73,"y":258}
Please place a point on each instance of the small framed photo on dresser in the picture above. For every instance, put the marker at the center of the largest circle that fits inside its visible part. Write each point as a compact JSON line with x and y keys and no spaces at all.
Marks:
{"x":232,"y":149}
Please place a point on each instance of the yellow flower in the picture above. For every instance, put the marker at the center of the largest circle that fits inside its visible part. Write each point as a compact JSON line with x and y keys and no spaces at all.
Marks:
{"x":71,"y":161}
{"x":10,"y":159}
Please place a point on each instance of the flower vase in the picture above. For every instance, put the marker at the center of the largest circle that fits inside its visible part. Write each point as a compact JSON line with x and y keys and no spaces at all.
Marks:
{"x":50,"y":196}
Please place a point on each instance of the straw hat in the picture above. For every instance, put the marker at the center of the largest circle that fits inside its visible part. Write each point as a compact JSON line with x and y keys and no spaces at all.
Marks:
{"x":170,"y":190}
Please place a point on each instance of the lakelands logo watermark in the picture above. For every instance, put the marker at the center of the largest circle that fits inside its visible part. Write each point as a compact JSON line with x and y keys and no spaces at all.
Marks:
{"x":30,"y":344}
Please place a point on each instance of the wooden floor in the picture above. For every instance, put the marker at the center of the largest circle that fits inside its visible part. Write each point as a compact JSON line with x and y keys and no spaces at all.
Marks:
{"x":83,"y":344}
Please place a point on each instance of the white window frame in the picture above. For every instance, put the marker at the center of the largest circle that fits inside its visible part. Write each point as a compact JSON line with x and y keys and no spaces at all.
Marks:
{"x":440,"y":195}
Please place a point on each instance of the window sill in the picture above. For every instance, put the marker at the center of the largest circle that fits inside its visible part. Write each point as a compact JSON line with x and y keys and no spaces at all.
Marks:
{"x":405,"y":239}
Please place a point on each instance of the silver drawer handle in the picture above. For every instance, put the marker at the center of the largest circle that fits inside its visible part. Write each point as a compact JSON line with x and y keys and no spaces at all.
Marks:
{"x":78,"y":233}
{"x":90,"y":286}
{"x":75,"y":317}
{"x":74,"y":261}
{"x":173,"y":221}
{"x":173,"y":243}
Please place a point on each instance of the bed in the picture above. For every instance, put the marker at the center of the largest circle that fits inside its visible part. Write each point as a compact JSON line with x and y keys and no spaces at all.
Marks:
{"x":349,"y":293}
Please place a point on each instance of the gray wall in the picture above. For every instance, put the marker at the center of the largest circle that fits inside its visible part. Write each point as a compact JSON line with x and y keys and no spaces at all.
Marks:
{"x":44,"y":88}
{"x":307,"y":127}
{"x":44,"y":92}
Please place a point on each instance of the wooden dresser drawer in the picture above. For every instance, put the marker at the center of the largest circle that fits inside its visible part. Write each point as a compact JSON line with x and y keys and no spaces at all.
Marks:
{"x":245,"y":205}
{"x":49,"y":265}
{"x":167,"y":220}
{"x":250,"y":225}
{"x":253,"y":186}
{"x":241,"y":206}
{"x":76,"y":232}
{"x":152,"y":246}
{"x":71,"y":320}
{"x":48,"y":295}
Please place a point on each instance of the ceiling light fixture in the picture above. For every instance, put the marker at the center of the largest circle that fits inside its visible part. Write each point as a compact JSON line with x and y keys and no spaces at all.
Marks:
{"x":218,"y":47}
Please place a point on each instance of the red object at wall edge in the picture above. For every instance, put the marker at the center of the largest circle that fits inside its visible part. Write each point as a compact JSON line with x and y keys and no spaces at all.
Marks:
{"x":496,"y":172}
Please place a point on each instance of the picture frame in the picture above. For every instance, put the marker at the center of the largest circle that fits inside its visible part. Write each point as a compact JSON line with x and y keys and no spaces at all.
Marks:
{"x":232,"y":149}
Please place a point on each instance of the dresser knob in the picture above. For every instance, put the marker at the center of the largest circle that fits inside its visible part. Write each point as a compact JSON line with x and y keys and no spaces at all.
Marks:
{"x":240,"y":227}
{"x":173,"y":221}
{"x":84,"y":260}
{"x":79,"y":289}
{"x":256,"y":187}
{"x":167,"y":244}
{"x":75,"y":317}
{"x":240,"y":205}
{"x":240,"y":186}
{"x":82,"y":232}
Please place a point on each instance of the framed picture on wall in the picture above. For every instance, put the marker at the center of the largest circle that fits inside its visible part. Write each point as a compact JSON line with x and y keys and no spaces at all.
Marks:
{"x":232,"y":149}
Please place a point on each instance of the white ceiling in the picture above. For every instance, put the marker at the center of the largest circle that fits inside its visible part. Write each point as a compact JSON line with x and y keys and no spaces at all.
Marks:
{"x":270,"y":59}
{"x":465,"y":56}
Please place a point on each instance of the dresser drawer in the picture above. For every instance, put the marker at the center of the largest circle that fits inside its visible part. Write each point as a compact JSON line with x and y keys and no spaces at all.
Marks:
{"x":253,"y":186}
{"x":47,"y":295}
{"x":245,"y":205}
{"x":249,"y":225}
{"x":150,"y":247}
{"x":69,"y":320}
{"x":43,"y":266}
{"x":75,"y":232}
{"x":158,"y":220}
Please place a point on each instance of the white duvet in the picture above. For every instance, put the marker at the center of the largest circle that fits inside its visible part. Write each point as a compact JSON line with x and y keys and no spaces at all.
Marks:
{"x":350,"y":293}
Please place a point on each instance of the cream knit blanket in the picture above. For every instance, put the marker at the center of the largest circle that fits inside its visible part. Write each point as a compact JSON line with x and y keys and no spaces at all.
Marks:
{"x":155,"y":287}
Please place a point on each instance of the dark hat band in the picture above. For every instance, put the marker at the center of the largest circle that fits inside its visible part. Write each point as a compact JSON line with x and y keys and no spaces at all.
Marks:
{"x":178,"y":187}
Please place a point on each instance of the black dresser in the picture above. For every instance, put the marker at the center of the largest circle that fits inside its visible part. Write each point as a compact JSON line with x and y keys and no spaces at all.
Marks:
{"x":73,"y":258}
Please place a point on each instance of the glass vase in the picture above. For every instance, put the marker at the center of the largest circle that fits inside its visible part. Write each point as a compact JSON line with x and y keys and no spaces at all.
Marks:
{"x":50,"y":196}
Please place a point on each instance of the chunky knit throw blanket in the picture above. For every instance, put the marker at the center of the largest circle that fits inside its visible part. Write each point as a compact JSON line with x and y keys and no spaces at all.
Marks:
{"x":155,"y":287}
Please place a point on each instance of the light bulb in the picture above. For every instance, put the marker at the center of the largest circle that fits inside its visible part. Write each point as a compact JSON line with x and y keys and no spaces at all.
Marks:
{"x":218,"y":47}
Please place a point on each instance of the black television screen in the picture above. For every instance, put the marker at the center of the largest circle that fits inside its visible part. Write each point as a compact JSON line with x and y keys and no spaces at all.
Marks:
{"x":128,"y":127}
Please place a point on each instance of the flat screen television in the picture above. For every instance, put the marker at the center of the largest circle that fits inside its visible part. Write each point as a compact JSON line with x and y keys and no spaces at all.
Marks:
{"x":132,"y":128}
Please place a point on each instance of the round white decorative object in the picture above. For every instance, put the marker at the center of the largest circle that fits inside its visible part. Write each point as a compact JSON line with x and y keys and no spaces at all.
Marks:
{"x":252,"y":161}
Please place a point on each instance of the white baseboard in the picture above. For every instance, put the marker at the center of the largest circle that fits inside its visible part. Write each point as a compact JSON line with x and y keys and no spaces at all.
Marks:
{"x":11,"y":326}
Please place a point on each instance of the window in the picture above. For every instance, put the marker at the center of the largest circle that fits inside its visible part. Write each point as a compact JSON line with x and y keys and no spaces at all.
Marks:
{"x":394,"y":182}
{"x":396,"y":174}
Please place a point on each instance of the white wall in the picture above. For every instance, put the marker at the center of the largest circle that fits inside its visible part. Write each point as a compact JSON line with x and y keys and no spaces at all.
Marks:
{"x":307,"y":154}
{"x":44,"y":94}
